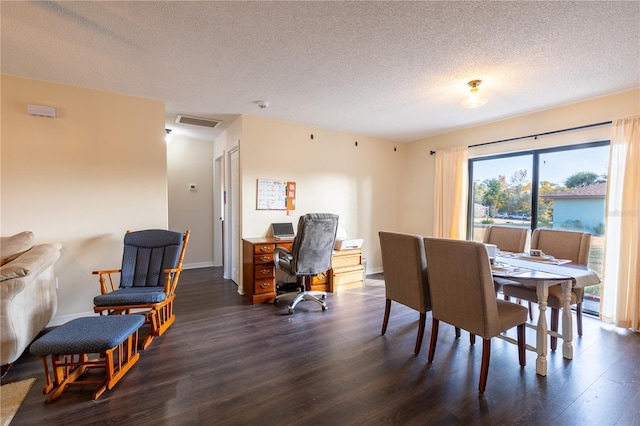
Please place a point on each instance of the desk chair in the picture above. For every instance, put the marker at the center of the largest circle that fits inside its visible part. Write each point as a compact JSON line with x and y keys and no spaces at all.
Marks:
{"x":310,"y":255}
{"x":573,"y":246}
{"x":405,"y":276}
{"x":462,"y":295}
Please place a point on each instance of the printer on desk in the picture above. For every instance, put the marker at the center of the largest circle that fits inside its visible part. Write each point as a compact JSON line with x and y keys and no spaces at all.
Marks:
{"x":344,"y":243}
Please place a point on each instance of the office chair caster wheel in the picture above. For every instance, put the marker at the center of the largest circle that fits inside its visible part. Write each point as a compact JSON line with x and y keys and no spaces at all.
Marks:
{"x":275,"y":301}
{"x":324,"y":308}
{"x":290,"y":311}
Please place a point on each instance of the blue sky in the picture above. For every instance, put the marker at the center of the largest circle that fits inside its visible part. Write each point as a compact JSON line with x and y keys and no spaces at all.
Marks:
{"x":555,"y":167}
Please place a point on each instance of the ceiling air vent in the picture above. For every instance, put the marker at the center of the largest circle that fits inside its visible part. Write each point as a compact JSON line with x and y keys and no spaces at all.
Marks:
{"x":197,"y":121}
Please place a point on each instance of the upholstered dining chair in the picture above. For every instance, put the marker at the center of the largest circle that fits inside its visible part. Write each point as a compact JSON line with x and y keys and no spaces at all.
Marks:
{"x":405,"y":276}
{"x":569,"y":245}
{"x":310,"y":255}
{"x":151,"y":266}
{"x":462,"y":295}
{"x":508,"y":238}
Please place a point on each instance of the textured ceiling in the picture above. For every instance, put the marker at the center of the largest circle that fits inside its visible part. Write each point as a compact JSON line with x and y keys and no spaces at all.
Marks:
{"x":395,"y":70}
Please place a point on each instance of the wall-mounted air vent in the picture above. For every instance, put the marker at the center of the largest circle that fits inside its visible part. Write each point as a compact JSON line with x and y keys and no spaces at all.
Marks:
{"x":197,"y":121}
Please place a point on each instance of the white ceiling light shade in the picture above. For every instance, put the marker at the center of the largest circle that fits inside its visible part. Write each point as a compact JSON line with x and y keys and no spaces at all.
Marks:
{"x":474,"y":100}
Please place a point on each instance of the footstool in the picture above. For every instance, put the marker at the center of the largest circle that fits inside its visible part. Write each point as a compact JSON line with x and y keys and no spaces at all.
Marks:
{"x":113,"y":338}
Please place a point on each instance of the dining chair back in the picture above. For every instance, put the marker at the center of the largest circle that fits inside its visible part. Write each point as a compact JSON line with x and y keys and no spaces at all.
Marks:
{"x":508,"y":238}
{"x":405,"y":276}
{"x":570,"y":245}
{"x":462,"y":294}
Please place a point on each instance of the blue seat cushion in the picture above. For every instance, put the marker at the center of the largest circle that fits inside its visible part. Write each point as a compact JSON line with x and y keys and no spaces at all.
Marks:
{"x":131,"y":296}
{"x":87,"y":335}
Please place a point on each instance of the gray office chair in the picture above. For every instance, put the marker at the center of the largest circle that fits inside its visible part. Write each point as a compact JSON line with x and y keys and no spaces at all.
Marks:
{"x":310,"y":255}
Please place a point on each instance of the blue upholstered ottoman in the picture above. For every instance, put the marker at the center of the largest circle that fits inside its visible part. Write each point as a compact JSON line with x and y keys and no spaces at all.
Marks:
{"x":113,"y":339}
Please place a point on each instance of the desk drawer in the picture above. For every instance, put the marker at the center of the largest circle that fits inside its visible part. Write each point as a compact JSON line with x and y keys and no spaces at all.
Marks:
{"x":263,"y":248}
{"x":340,"y":262}
{"x":259,"y":259}
{"x":264,"y":286}
{"x":264,"y":271}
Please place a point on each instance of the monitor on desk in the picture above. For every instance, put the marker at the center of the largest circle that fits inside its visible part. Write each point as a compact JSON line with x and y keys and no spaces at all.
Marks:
{"x":283,"y":231}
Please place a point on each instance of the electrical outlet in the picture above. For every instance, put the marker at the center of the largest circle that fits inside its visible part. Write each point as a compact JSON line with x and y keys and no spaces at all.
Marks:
{"x":193,"y":187}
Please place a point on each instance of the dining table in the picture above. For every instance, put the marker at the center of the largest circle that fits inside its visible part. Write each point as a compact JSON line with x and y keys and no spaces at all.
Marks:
{"x":544,"y":272}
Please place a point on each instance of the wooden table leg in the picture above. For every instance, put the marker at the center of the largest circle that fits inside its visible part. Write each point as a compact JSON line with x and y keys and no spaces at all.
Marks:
{"x":567,"y":321}
{"x":541,"y":332}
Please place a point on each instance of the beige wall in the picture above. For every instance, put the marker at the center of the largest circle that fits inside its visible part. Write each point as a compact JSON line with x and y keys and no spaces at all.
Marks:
{"x":102,"y":167}
{"x":190,"y":161}
{"x":82,"y":179}
{"x":363,"y":184}
{"x":418,"y":206}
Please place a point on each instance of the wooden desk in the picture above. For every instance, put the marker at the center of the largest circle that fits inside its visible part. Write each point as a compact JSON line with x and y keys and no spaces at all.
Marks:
{"x":259,"y":271}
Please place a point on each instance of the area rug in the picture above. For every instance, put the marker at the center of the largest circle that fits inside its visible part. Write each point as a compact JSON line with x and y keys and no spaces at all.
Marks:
{"x":11,"y":397}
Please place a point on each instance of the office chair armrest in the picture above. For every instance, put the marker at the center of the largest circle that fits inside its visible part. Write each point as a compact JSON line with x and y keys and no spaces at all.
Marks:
{"x":103,"y":284}
{"x":281,"y":252}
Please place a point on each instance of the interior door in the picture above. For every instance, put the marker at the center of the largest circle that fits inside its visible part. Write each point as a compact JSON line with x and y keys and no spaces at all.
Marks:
{"x":218,"y":210}
{"x":233,"y":217}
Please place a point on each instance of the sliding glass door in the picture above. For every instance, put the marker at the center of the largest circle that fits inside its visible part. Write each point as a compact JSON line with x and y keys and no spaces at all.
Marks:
{"x":557,"y":188}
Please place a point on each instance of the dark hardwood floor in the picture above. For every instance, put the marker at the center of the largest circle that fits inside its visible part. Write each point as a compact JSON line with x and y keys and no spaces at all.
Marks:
{"x":225,"y":362}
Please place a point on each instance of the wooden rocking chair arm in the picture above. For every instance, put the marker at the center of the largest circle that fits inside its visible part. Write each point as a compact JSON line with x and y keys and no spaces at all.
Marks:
{"x":169,"y":287}
{"x":107,"y":271}
{"x":103,"y":284}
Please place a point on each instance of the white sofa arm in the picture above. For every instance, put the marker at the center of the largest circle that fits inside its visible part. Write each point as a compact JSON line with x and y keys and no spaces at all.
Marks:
{"x":28,"y":298}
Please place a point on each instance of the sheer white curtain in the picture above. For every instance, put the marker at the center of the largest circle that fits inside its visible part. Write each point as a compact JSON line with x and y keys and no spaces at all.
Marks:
{"x":620,"y":302}
{"x":451,"y":181}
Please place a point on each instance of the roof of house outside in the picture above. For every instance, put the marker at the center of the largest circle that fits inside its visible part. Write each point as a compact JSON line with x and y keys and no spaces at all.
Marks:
{"x":598,"y":190}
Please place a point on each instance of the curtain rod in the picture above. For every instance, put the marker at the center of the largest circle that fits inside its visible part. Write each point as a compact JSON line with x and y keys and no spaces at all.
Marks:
{"x":535,"y":136}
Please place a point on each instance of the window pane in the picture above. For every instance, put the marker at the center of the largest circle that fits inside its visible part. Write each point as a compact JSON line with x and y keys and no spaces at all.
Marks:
{"x":570,"y":184}
{"x":572,"y":194}
{"x":501,"y":193}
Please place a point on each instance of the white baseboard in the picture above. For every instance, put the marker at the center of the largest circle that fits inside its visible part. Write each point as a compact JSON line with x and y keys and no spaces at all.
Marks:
{"x":197,"y":265}
{"x":374,"y":271}
{"x":63,"y":319}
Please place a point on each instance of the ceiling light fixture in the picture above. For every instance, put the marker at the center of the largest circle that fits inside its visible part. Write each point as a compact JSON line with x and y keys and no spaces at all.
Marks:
{"x":474,"y":100}
{"x":168,"y":137}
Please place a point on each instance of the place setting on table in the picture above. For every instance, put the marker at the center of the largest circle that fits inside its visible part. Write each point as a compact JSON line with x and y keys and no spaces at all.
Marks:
{"x":543,"y":271}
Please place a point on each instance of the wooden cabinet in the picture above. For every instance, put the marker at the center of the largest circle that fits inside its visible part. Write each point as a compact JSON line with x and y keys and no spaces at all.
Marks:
{"x":347,"y":270}
{"x":259,"y":271}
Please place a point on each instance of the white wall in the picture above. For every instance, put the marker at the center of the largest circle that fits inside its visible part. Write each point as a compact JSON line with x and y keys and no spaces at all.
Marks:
{"x":190,"y":161}
{"x":418,"y":206}
{"x":82,"y":179}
